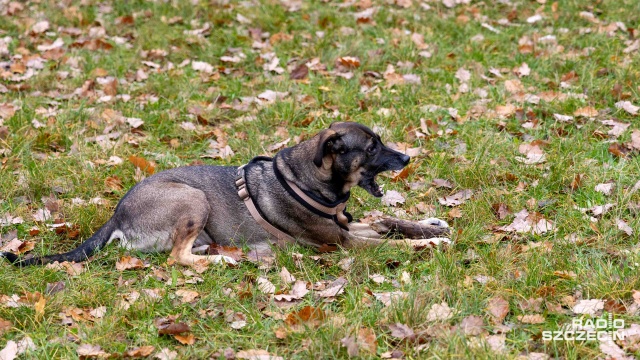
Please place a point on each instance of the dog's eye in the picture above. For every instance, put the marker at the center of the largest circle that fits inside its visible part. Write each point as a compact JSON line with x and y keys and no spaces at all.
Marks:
{"x":372,"y":149}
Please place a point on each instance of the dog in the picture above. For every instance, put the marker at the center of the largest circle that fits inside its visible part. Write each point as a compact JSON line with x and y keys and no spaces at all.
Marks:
{"x":299,"y":196}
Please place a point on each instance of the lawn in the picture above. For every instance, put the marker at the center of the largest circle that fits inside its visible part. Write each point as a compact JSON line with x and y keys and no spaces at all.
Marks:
{"x":521,"y":117}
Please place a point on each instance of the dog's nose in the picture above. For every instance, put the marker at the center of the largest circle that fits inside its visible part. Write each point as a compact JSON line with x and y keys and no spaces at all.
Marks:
{"x":405,"y":159}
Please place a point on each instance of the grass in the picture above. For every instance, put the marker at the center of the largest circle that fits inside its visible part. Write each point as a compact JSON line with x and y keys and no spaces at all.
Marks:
{"x":55,"y":160}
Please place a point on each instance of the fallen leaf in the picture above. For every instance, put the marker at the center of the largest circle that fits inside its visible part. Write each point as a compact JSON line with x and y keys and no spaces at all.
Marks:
{"x":525,"y":222}
{"x":497,"y":343}
{"x":349,"y":62}
{"x":533,"y":153}
{"x":265,"y":285}
{"x":256,"y":354}
{"x":286,"y":276}
{"x":367,"y":340}
{"x":472,"y":325}
{"x":308,"y":315}
{"x":605,"y":188}
{"x":586,"y":111}
{"x":531,"y":319}
{"x":622,"y":225}
{"x":88,"y":351}
{"x":501,"y":210}
{"x":168,"y":326}
{"x":377,"y":278}
{"x":618,"y":150}
{"x":230,"y":251}
{"x":388,"y":298}
{"x":392,"y":198}
{"x":588,"y":307}
{"x":439,"y":312}
{"x":498,"y":308}
{"x":442,"y":183}
{"x":10,"y":351}
{"x":457,"y":198}
{"x":187,"y":296}
{"x":187,"y":339}
{"x":351,"y":344}
{"x":300,"y":72}
{"x":139,"y":352}
{"x":628,"y":107}
{"x":142,"y":164}
{"x":401,"y":331}
{"x":128,"y":262}
{"x":166,"y":354}
{"x":334,"y":289}
{"x":39,"y":307}
{"x":5,"y":326}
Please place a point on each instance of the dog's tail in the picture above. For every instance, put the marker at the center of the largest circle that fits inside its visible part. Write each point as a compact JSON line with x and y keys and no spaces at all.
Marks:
{"x":92,"y":245}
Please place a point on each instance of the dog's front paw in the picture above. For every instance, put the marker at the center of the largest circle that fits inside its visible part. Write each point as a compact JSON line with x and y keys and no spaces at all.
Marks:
{"x":217,"y":259}
{"x":434,"y":222}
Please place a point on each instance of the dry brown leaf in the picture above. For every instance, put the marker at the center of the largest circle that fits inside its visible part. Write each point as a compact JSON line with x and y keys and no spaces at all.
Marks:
{"x":622,"y":225}
{"x":388,"y":298}
{"x":308,"y":315}
{"x":139,"y":352}
{"x":142,"y":164}
{"x":349,"y":62}
{"x":531,"y":319}
{"x":187,"y":296}
{"x":88,"y":351}
{"x":5,"y":326}
{"x":472,"y":325}
{"x":456,"y":199}
{"x":586,"y":111}
{"x":588,"y":306}
{"x":498,"y":308}
{"x":286,"y":276}
{"x":367,"y":340}
{"x":168,"y":326}
{"x":618,"y":150}
{"x":186,"y":339}
{"x":256,"y":354}
{"x":440,"y":312}
{"x":501,"y":210}
{"x":526,"y":222}
{"x":635,"y":139}
{"x":265,"y":285}
{"x":334,"y":289}
{"x":128,"y":262}
{"x":442,"y":183}
{"x":230,"y":251}
{"x":402,"y":331}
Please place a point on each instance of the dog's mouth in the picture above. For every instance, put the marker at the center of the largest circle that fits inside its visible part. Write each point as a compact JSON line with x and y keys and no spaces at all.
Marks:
{"x":368,"y":182}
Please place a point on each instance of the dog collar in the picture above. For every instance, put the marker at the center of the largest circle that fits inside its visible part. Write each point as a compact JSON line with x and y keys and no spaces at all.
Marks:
{"x":335,"y":211}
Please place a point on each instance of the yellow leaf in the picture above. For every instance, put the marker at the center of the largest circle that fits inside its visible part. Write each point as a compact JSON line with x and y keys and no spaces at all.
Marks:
{"x":39,"y":306}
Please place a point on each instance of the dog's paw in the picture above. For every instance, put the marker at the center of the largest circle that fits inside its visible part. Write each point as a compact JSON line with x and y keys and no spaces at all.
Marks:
{"x":217,"y":259}
{"x":434,"y":222}
{"x":433,"y":242}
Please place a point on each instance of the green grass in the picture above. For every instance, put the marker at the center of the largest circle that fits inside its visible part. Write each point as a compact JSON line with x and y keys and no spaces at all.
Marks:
{"x":57,"y":160}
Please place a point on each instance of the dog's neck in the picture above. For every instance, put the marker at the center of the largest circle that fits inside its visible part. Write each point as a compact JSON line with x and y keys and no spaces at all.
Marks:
{"x":307,"y":176}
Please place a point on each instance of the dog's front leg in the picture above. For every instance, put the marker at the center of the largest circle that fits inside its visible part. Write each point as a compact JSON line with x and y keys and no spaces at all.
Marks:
{"x":355,"y":242}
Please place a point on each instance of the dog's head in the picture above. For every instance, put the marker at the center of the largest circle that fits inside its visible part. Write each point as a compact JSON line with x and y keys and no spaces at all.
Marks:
{"x":355,"y":155}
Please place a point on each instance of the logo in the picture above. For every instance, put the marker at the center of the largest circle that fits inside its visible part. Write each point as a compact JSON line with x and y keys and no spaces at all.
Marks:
{"x":602,"y":328}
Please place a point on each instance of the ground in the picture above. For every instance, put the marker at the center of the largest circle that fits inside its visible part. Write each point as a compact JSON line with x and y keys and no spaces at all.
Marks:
{"x":521,"y":117}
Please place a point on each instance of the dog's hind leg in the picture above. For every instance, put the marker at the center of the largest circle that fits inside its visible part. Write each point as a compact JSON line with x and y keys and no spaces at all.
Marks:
{"x":166,"y":216}
{"x":187,"y":229}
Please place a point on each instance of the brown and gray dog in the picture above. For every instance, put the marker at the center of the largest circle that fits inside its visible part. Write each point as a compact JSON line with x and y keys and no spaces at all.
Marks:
{"x":298,"y":196}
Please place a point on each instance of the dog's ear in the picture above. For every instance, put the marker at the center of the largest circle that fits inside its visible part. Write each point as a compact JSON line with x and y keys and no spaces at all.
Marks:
{"x":326,"y":138}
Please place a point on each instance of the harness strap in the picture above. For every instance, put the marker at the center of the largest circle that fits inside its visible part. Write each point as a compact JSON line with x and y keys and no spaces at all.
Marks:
{"x":281,"y":237}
